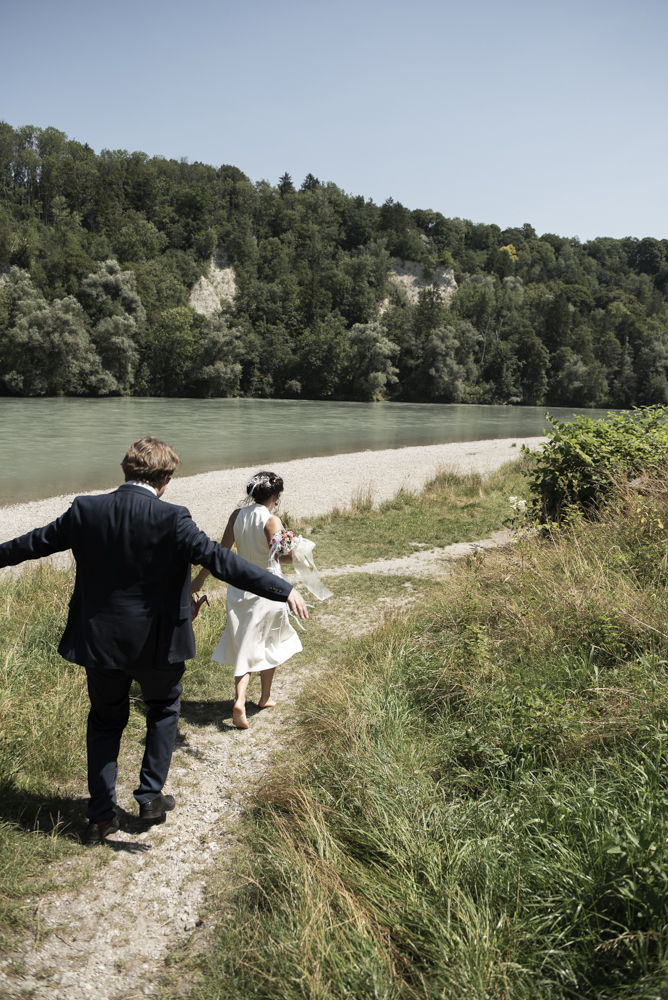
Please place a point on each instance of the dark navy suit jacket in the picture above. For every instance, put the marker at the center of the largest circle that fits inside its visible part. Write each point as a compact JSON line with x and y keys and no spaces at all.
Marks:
{"x":131,"y":600}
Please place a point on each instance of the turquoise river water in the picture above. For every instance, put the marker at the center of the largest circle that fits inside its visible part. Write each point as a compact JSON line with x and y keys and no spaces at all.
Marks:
{"x":54,"y":446}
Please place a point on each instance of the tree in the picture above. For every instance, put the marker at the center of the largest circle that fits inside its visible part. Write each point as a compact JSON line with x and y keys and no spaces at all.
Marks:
{"x":648,"y":256}
{"x":285,"y":185}
{"x":557,"y":322}
{"x":577,"y":383}
{"x":113,"y":302}
{"x":111,"y":291}
{"x":503,"y":261}
{"x":623,"y":388}
{"x":139,"y":240}
{"x":652,"y":373}
{"x":502,"y":371}
{"x":476,"y":301}
{"x":323,"y":357}
{"x":534,"y":359}
{"x":441,"y":377}
{"x":47,"y":350}
{"x":371,"y":368}
{"x":310,"y":183}
{"x":216,"y":370}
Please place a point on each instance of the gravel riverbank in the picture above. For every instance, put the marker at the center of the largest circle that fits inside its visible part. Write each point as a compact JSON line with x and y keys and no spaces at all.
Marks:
{"x":312,"y":485}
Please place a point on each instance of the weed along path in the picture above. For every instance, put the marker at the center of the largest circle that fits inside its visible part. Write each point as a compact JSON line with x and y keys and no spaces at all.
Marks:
{"x":144,"y":893}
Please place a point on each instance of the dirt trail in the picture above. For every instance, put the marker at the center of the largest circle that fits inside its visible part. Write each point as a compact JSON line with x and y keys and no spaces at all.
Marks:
{"x":427,"y":562}
{"x":109,"y":940}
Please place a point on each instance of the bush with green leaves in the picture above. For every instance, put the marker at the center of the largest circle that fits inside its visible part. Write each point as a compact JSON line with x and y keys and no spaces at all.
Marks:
{"x":583,"y":457}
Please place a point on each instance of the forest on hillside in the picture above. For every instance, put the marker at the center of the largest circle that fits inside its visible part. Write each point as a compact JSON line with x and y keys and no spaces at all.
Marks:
{"x":99,"y":253}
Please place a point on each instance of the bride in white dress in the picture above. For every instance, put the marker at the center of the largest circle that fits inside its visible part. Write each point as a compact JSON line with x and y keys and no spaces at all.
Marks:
{"x":258,"y":636}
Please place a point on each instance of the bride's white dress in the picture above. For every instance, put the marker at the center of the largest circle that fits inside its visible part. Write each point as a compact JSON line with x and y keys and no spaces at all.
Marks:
{"x":258,"y":634}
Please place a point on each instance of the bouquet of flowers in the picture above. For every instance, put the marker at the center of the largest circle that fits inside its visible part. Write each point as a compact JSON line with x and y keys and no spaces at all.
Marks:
{"x":286,"y":542}
{"x":282,"y":543}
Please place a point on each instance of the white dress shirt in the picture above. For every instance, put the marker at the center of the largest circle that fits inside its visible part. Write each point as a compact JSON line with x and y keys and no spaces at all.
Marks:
{"x":144,"y":486}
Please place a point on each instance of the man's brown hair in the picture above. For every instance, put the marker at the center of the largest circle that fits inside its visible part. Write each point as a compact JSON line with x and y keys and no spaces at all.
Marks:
{"x":149,"y":460}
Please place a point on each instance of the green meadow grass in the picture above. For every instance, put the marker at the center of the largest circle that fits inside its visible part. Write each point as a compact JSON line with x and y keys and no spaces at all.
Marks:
{"x":450,"y":509}
{"x":476,"y":803}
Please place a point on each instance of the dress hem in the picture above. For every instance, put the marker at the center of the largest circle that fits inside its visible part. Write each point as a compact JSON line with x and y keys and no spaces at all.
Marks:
{"x":265,"y":665}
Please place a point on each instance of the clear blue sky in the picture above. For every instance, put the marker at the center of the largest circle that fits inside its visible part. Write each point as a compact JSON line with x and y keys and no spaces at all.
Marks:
{"x":550,"y":111}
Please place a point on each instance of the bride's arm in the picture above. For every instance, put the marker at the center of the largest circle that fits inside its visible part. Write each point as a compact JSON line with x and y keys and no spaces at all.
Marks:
{"x":227,"y":541}
{"x":272,"y":526}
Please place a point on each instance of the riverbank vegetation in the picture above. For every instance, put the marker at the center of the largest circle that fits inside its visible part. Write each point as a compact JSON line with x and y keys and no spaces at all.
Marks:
{"x":101,"y":253}
{"x":476,"y":801}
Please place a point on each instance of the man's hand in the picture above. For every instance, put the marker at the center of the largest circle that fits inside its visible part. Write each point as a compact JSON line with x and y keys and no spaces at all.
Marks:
{"x":297,"y":604}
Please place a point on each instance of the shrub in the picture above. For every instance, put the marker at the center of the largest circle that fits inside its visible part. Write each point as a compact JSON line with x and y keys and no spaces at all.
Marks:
{"x":583,"y":457}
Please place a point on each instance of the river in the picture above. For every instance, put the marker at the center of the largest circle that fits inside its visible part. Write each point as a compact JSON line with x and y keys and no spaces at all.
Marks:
{"x":64,"y":445}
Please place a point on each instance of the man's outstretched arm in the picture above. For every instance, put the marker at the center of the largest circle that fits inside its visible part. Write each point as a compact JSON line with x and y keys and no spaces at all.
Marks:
{"x":198,"y":548}
{"x":53,"y":537}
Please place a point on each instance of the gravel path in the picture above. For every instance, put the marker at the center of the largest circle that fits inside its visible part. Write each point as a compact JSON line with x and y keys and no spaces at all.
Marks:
{"x":428,"y":562}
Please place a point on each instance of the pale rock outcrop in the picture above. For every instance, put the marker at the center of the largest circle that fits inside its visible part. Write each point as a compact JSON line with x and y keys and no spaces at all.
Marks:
{"x":212,"y":290}
{"x":409,"y":275}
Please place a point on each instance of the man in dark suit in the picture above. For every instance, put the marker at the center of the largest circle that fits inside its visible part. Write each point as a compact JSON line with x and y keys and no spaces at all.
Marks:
{"x":130,"y":616}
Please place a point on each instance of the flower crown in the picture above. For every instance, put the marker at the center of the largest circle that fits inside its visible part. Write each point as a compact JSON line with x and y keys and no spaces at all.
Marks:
{"x":257,"y":480}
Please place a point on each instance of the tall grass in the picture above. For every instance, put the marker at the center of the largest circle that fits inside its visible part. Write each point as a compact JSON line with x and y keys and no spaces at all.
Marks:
{"x":42,"y":733}
{"x":477,"y":804}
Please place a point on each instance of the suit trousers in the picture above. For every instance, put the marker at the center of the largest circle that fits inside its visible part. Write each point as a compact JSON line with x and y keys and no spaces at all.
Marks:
{"x":109,"y":692}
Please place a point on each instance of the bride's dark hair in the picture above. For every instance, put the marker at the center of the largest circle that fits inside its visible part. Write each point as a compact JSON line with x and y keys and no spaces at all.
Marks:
{"x":264,"y":485}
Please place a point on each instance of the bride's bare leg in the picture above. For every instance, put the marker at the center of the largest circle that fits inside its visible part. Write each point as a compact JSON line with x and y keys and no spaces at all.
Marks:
{"x":239,"y":711}
{"x":266,"y":677}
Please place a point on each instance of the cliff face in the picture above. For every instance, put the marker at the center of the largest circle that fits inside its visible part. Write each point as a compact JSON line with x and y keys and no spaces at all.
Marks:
{"x":409,"y":275}
{"x":210,"y":292}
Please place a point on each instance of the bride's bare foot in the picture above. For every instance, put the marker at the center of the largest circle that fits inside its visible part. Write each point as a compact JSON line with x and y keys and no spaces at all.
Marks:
{"x":269,"y":703}
{"x":239,"y":718}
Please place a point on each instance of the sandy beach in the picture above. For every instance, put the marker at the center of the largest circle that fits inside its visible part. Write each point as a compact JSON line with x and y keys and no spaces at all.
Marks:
{"x":312,"y":485}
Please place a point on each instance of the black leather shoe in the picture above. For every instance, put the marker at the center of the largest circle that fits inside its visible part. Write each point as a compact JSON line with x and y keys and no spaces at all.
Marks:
{"x":156,"y":808}
{"x":97,"y":832}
